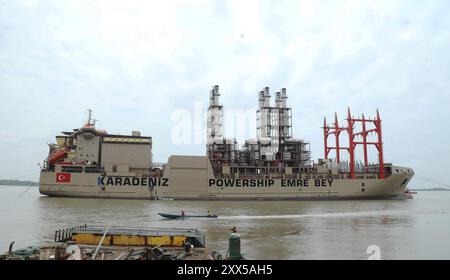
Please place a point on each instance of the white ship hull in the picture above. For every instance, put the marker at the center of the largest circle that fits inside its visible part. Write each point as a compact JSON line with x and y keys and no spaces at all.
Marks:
{"x":191,"y":178}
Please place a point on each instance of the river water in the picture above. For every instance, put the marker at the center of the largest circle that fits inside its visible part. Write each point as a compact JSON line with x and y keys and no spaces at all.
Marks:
{"x":404,"y":229}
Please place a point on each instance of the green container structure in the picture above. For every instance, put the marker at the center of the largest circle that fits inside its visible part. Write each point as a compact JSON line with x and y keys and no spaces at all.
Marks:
{"x":234,"y":246}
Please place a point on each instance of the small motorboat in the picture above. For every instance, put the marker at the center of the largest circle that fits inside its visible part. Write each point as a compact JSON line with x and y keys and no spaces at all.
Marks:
{"x":410,"y":192}
{"x":174,"y":216}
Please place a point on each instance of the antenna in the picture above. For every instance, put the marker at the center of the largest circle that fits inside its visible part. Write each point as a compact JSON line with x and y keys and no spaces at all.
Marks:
{"x":89,"y":116}
{"x":91,"y":121}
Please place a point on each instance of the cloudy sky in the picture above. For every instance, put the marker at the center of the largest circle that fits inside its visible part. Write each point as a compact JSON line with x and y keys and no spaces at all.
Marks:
{"x":137,"y":62}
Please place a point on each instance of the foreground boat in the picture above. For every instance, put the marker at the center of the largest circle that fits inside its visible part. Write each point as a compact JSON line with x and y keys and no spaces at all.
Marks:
{"x":118,"y":243}
{"x":174,"y":216}
{"x":88,"y":162}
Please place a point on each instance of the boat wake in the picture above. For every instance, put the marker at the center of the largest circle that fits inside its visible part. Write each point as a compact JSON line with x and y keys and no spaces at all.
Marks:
{"x":318,"y":215}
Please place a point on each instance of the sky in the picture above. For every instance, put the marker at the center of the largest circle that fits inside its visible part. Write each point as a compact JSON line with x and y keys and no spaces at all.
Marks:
{"x":138,"y":63}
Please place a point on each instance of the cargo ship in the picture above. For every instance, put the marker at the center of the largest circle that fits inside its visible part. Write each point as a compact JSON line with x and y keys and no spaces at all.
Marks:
{"x":91,"y":163}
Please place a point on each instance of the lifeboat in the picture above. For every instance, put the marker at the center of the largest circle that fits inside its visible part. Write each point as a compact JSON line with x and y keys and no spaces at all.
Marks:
{"x":57,"y":155}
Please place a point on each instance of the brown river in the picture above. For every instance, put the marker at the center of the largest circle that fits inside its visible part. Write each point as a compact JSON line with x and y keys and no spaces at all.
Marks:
{"x":404,"y":229}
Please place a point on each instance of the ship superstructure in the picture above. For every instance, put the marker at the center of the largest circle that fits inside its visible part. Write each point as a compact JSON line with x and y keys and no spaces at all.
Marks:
{"x":90,"y":150}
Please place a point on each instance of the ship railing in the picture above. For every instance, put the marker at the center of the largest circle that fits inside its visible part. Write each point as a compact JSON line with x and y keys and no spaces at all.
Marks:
{"x":64,"y":235}
{"x":311,"y":175}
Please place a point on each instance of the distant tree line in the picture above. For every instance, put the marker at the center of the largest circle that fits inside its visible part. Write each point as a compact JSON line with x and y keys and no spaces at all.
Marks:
{"x":18,"y":183}
{"x":431,"y":189}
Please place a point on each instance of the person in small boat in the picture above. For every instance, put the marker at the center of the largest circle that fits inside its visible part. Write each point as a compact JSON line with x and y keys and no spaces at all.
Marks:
{"x":182,"y":212}
{"x":211,"y":214}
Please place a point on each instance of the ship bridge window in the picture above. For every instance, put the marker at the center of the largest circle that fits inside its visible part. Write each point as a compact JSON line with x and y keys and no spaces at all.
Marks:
{"x":92,"y":170}
{"x":72,"y":169}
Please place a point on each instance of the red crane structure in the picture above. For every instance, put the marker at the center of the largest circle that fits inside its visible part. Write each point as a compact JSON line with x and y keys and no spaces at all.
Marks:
{"x":353,"y":142}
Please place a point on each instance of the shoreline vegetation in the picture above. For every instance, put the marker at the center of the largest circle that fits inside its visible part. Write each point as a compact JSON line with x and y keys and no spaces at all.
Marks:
{"x":18,"y":183}
{"x":431,"y":190}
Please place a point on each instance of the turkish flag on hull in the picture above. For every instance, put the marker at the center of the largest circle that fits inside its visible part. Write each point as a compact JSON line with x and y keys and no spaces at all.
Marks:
{"x":63,"y":177}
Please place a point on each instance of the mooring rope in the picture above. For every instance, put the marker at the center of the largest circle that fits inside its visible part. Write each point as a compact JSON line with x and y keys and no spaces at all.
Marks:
{"x":432,"y":180}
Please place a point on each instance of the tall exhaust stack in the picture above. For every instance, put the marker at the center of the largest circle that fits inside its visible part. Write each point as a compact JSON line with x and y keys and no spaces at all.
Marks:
{"x":284,"y":97}
{"x":215,"y":117}
{"x":266,"y":136}
{"x":266,"y":97}
{"x":263,"y":113}
{"x":261,"y":99}
{"x":285,"y":117}
{"x":278,"y":100}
